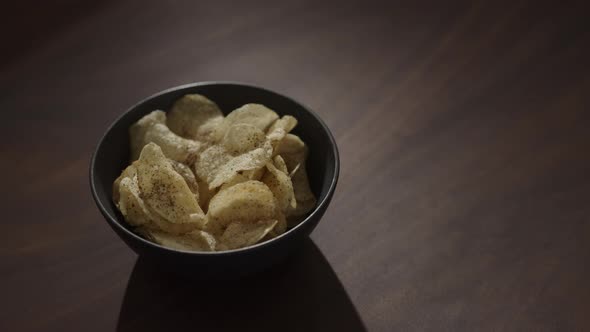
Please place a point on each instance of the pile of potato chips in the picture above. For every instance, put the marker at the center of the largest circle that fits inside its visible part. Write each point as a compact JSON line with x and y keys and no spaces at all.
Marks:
{"x":204,"y":182}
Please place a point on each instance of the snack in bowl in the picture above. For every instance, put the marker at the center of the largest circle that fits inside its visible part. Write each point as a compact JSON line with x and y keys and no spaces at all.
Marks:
{"x":199,"y":181}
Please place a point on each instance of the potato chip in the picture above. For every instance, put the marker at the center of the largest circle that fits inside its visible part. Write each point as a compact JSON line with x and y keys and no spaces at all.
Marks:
{"x":243,"y":234}
{"x":137,"y":213}
{"x":194,"y":116}
{"x":281,"y":225}
{"x":196,"y":240}
{"x":188,"y":176}
{"x":305,"y":198}
{"x":128,"y":172}
{"x":287,"y":123}
{"x":204,"y":194}
{"x":279,"y":228}
{"x":217,"y":166}
{"x":276,"y":136}
{"x":239,"y":178}
{"x":255,"y":114}
{"x":251,"y":160}
{"x":165,"y":192}
{"x":281,"y":186}
{"x":302,"y":208}
{"x":152,"y":129}
{"x":138,"y":130}
{"x":210,"y":161}
{"x":248,"y":201}
{"x":242,"y":137}
{"x":243,"y":176}
{"x":294,"y":152}
{"x":301,"y":185}
{"x":173,"y":146}
{"x":130,"y":203}
{"x":255,"y":174}
{"x":291,"y":144}
{"x":158,"y":223}
{"x":280,"y":164}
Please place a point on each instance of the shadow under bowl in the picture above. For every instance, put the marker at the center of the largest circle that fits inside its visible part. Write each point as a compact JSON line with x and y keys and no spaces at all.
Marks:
{"x":112,"y":156}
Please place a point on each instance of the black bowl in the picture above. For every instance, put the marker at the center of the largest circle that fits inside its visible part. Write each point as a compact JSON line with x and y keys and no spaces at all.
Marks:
{"x":112,"y":156}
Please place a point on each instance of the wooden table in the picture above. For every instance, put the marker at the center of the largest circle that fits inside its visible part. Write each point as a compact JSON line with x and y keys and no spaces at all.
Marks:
{"x":464,"y":133}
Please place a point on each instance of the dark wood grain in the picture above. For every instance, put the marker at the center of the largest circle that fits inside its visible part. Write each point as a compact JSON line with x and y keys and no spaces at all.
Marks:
{"x":463,"y":128}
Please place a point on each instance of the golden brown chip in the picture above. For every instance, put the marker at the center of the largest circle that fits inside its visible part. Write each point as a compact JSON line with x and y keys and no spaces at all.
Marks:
{"x":251,"y":160}
{"x":305,"y":198}
{"x":287,"y":123}
{"x":301,"y":186}
{"x":294,"y":217}
{"x":210,"y":161}
{"x":137,"y":213}
{"x":291,"y":144}
{"x":130,"y":203}
{"x":173,"y":146}
{"x":138,"y":130}
{"x":281,"y":186}
{"x":157,"y":223}
{"x":279,"y":228}
{"x":242,"y":137}
{"x":248,"y":201}
{"x":255,"y":114}
{"x":280,"y":164}
{"x":194,"y":241}
{"x":239,"y":178}
{"x":255,"y":174}
{"x":243,"y":234}
{"x":152,"y":129}
{"x":128,"y":172}
{"x":188,"y":176}
{"x":217,"y":166}
{"x":165,"y":192}
{"x":194,"y":116}
{"x":294,"y":152}
{"x":204,"y":194}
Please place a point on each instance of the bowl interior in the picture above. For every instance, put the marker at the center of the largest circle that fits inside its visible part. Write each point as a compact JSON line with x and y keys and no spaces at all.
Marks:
{"x":112,"y":153}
